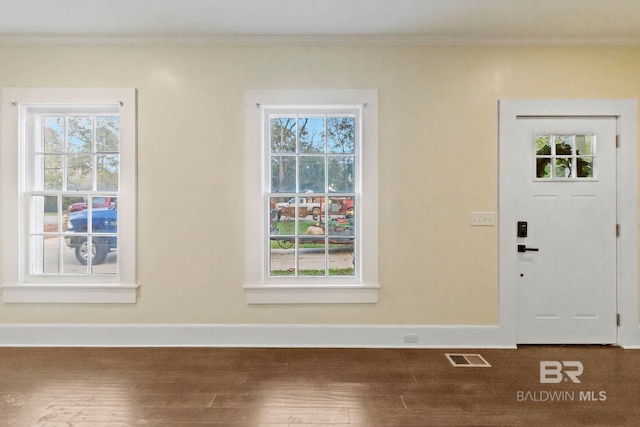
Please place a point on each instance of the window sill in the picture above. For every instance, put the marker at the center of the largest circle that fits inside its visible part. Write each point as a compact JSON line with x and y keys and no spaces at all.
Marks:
{"x":78,"y":294}
{"x":319,"y":294}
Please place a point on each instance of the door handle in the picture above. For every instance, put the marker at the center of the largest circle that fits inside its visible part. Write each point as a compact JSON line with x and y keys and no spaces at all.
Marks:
{"x":524,"y":248}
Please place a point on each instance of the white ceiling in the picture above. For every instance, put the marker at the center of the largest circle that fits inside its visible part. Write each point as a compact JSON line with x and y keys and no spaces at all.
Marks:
{"x":464,"y":21}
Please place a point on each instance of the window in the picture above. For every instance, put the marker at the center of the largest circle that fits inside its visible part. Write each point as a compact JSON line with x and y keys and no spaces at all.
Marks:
{"x":565,"y":157}
{"x":312,"y":179}
{"x":70,"y":226}
{"x":311,"y":207}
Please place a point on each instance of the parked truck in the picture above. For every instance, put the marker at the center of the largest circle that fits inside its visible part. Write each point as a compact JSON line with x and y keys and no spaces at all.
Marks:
{"x":305,"y":205}
{"x":98,"y":202}
{"x":104,"y":226}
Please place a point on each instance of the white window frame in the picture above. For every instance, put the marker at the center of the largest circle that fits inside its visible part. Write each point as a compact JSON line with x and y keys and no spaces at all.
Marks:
{"x":260,"y":289}
{"x":18,"y":286}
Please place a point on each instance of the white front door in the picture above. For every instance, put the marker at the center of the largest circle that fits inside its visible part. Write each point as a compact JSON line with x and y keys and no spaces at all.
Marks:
{"x":563,"y":190}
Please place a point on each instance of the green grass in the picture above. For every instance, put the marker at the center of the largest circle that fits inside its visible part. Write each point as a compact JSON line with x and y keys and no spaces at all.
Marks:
{"x":276,"y":245}
{"x":287,"y":228}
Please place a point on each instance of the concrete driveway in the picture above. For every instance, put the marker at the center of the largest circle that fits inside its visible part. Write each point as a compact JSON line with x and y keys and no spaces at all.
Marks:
{"x":312,"y":259}
{"x":53,"y":246}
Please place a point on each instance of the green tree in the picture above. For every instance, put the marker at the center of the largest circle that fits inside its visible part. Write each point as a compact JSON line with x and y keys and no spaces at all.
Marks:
{"x":341,"y":134}
{"x":79,"y":147}
{"x":341,"y":140}
{"x":312,"y":134}
{"x":283,"y":142}
{"x":107,"y":134}
{"x":53,"y":143}
{"x":108,"y":142}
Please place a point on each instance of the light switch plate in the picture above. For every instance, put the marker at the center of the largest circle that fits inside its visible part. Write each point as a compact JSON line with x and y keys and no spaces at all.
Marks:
{"x":482,"y":218}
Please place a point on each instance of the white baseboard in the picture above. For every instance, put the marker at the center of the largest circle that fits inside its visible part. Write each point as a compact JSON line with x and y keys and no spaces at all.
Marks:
{"x":198,"y":335}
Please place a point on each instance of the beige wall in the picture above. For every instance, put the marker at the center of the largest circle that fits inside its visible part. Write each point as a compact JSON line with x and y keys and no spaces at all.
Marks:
{"x":438,"y":162}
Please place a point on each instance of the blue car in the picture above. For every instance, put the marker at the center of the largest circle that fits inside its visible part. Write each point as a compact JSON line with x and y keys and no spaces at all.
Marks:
{"x":104,"y":221}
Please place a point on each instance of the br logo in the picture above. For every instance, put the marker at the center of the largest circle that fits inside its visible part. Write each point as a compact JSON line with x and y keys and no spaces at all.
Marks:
{"x":553,"y":371}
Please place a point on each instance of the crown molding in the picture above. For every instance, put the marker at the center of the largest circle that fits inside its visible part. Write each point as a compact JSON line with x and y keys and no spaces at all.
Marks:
{"x":318,"y":40}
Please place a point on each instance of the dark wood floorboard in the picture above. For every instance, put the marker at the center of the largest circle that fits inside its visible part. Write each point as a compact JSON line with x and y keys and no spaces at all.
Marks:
{"x":81,"y":387}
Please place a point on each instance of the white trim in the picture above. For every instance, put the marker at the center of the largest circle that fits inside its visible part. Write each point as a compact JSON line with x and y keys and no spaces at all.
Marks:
{"x":302,"y":40}
{"x":256,"y":289}
{"x":89,"y":294}
{"x":16,"y":288}
{"x":311,"y":294}
{"x":627,"y":204}
{"x":271,"y":336}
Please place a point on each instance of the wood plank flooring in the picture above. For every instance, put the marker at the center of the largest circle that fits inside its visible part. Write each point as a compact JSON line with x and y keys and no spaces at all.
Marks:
{"x":315,"y":387}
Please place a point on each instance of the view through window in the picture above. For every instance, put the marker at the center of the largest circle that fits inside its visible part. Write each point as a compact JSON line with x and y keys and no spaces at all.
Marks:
{"x":312,"y":192}
{"x":73,"y":171}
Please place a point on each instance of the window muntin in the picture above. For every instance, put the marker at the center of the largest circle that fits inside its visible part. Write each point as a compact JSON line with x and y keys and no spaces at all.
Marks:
{"x":312,"y":170}
{"x":72,"y":166}
{"x":565,"y":157}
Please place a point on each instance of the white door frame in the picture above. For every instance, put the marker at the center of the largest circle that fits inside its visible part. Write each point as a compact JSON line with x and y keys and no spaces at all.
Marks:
{"x":627,"y":204}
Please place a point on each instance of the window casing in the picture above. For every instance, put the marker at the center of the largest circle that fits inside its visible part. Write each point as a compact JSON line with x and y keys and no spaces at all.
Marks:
{"x":72,"y":218}
{"x":312,"y":235}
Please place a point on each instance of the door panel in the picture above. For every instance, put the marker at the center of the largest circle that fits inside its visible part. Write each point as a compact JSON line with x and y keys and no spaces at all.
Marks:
{"x":566,"y":290}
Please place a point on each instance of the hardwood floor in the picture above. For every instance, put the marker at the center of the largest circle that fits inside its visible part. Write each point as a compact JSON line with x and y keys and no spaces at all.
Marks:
{"x":315,"y":387}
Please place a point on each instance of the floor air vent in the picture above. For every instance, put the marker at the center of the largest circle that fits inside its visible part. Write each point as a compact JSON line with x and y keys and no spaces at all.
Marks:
{"x":467,"y":360}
